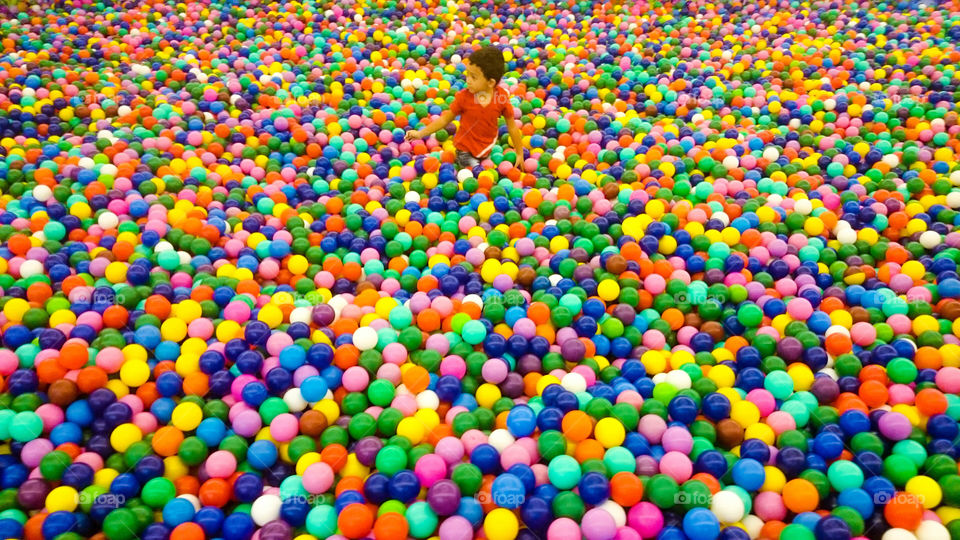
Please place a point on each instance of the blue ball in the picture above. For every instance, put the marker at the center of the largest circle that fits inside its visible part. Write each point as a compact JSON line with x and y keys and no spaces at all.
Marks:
{"x":404,"y":486}
{"x":507,"y":491}
{"x":57,"y":523}
{"x":521,"y":421}
{"x":262,"y":454}
{"x":238,"y":526}
{"x":470,"y":508}
{"x":594,"y":488}
{"x":749,"y":474}
{"x":536,"y":514}
{"x":210,"y":518}
{"x":178,"y":511}
{"x":701,"y":524}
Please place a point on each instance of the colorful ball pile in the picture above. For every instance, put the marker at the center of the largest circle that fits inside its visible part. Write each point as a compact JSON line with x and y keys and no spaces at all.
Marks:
{"x":719,"y":300}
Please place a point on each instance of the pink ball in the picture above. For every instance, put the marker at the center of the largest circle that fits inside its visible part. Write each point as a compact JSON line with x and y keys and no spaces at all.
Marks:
{"x":450,"y":449}
{"x":948,"y":380}
{"x":284,"y":427}
{"x":356,"y":379}
{"x":237,"y":311}
{"x":247,"y":423}
{"x":800,"y":309}
{"x":495,"y":370}
{"x":863,"y":333}
{"x":769,"y":506}
{"x":627,"y":533}
{"x":676,"y":466}
{"x":430,"y":469}
{"x":456,"y":528}
{"x":677,"y":439}
{"x":563,"y":529}
{"x":318,"y":478}
{"x":652,"y":427}
{"x":598,"y":524}
{"x":646,"y":519}
{"x":221,"y":464}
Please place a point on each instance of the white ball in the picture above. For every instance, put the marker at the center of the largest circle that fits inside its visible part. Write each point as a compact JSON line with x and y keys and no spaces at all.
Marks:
{"x":771,"y":154}
{"x":898,"y":534}
{"x":411,"y":196}
{"x":847,"y":236}
{"x":31,"y":267}
{"x":162,"y":245}
{"x":108,"y":220}
{"x":464,"y":174}
{"x":402,"y":390}
{"x":473,"y":299}
{"x":194,"y":500}
{"x":501,"y":439}
{"x":731,"y":162}
{"x":85,"y":163}
{"x":337,"y":303}
{"x":953,"y":199}
{"x":574,"y":382}
{"x":301,"y":314}
{"x":185,"y":257}
{"x":932,"y":530}
{"x":722,"y":217}
{"x":616,"y":511}
{"x":294,"y":400}
{"x":727,"y":506}
{"x":365,"y":338}
{"x":42,"y":193}
{"x":803,"y":207}
{"x":265,"y":509}
{"x":679,"y":379}
{"x":428,"y":400}
{"x":836,"y":329}
{"x":930,"y":239}
{"x":753,"y":524}
{"x":955,"y":177}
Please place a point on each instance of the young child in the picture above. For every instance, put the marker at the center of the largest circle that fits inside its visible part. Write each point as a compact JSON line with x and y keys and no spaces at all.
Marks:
{"x":479,"y":106}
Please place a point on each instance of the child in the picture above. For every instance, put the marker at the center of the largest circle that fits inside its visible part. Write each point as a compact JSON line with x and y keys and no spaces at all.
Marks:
{"x":479,"y":106}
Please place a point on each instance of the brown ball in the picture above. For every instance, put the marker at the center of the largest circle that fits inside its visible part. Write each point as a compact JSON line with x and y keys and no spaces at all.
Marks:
{"x":526,"y":275}
{"x":616,"y":264}
{"x":950,"y":310}
{"x":859,"y":314}
{"x":715,"y":330}
{"x":729,"y":433}
{"x":312,"y":423}
{"x":62,"y":392}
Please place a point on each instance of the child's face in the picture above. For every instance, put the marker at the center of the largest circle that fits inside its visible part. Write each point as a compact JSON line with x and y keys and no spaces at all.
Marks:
{"x":476,"y":82}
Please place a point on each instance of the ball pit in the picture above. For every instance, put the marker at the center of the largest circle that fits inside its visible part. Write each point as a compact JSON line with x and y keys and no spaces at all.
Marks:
{"x":717,"y":299}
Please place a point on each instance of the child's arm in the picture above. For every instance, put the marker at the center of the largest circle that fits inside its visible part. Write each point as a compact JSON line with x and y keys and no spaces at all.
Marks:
{"x":516,"y":139}
{"x":433,"y":127}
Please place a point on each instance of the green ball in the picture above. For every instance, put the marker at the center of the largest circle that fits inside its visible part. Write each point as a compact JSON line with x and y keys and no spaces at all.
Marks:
{"x":662,"y":490}
{"x":322,"y":521}
{"x":564,"y":472}
{"x":844,"y":475}
{"x":53,"y":464}
{"x":158,"y":492}
{"x":468,"y":478}
{"x":121,"y":524}
{"x":422,"y":520}
{"x":391,"y":460}
{"x":25,"y":426}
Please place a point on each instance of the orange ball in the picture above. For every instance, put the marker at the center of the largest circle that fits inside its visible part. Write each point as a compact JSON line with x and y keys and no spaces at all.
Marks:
{"x":576,"y":426}
{"x":800,"y":495}
{"x":73,"y":355}
{"x":215,"y":492}
{"x":166,"y":441}
{"x":355,"y":521}
{"x":391,"y":526}
{"x":904,"y":511}
{"x":626,"y":489}
{"x":931,"y":401}
{"x":187,"y":531}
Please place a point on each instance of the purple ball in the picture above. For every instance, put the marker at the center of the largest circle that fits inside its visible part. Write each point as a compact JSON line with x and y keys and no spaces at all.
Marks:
{"x":323,"y":315}
{"x":894,"y":426}
{"x":825,"y":389}
{"x":444,"y":497}
{"x":366,"y":450}
{"x":573,"y":350}
{"x":32,"y":494}
{"x":276,"y":530}
{"x":790,"y":349}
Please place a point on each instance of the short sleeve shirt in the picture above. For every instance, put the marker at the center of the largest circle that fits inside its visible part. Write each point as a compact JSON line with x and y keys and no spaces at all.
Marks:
{"x":479,"y":124}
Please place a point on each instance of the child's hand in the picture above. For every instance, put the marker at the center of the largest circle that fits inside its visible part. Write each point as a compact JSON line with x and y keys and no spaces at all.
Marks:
{"x":518,"y":162}
{"x":413,"y":135}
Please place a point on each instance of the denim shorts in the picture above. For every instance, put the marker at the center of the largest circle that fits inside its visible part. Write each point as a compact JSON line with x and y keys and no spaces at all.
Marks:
{"x":466,"y":160}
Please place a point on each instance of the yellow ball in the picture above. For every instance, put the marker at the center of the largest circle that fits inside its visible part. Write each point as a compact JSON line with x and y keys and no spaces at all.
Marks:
{"x":608,"y":290}
{"x":15,"y":308}
{"x":926,"y":489}
{"x":723,"y":376}
{"x":428,"y":417}
{"x":546,"y":381}
{"x":188,"y":310}
{"x":270,"y":315}
{"x":487,"y":395}
{"x":186,"y":416}
{"x":802,"y":376}
{"x":654,"y":362}
{"x":412,"y":429}
{"x":501,"y":524}
{"x":173,"y":330}
{"x":353,"y":467}
{"x":134,"y":373}
{"x":298,"y":264}
{"x":116,"y":272}
{"x":745,"y":413}
{"x":774,"y":480}
{"x":174,"y":467}
{"x":63,"y":498}
{"x":913,"y":269}
{"x":124,"y":436}
{"x":610,"y":432}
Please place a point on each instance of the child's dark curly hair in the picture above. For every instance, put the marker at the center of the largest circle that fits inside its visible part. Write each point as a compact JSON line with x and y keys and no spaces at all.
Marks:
{"x":490,"y":61}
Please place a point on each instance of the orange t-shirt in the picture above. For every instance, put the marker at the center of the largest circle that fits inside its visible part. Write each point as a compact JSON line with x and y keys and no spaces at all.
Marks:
{"x":478,"y":124}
